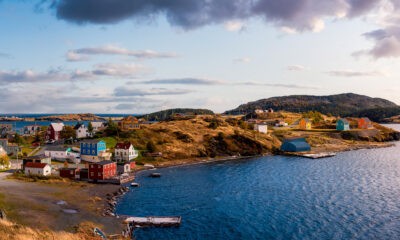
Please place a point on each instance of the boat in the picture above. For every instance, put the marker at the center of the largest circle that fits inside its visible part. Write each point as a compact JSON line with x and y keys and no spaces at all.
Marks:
{"x":149,"y":165}
{"x":134,"y":184}
{"x":155,"y":175}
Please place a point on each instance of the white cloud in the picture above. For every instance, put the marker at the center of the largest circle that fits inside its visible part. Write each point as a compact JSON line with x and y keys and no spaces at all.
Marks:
{"x":351,"y":73}
{"x":296,"y":68}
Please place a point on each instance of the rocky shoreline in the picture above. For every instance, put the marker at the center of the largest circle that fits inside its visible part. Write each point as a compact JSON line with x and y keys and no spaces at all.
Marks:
{"x":111,"y":201}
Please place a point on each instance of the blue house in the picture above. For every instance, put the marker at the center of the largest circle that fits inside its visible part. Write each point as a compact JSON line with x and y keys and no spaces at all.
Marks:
{"x":92,"y":149}
{"x":342,"y":125}
{"x":295,"y":145}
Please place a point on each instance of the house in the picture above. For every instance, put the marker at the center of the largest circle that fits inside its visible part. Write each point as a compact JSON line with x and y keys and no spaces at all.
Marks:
{"x":36,"y":159}
{"x":126,"y":167}
{"x":81,"y":130}
{"x":31,"y":129}
{"x":57,"y":152}
{"x":342,"y":125}
{"x":10,"y":148}
{"x":53,"y":132}
{"x":98,"y":126}
{"x":129,"y":123}
{"x":35,"y":168}
{"x":84,"y":174}
{"x":3,"y":152}
{"x":280,"y":123}
{"x":71,"y":173}
{"x":7,"y":126}
{"x":305,"y":124}
{"x":295,"y":145}
{"x":125,"y":152}
{"x":91,"y":150}
{"x":262,"y":128}
{"x":364,"y":123}
{"x":3,"y":132}
{"x":258,"y":111}
{"x":102,"y":170}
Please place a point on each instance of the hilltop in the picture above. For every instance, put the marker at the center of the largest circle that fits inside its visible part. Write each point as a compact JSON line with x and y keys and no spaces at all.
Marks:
{"x":71,"y":117}
{"x":169,"y":113}
{"x":347,"y":104}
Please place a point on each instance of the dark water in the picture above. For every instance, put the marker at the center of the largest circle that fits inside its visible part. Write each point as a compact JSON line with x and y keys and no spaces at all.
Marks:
{"x":355,"y":195}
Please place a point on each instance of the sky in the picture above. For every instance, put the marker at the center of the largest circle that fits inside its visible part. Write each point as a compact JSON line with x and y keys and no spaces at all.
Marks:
{"x":141,"y":56}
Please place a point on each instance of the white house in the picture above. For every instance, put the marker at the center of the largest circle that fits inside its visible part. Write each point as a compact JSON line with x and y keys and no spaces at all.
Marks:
{"x":125,"y":152}
{"x":98,"y":126}
{"x":81,"y":130}
{"x":31,"y":129}
{"x":262,"y":128}
{"x":35,"y":168}
{"x":57,"y":153}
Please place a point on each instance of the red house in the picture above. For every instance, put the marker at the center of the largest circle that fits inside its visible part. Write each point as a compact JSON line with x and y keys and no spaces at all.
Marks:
{"x":102,"y":170}
{"x":364,"y":123}
{"x":69,"y":173}
{"x":54,"y":131}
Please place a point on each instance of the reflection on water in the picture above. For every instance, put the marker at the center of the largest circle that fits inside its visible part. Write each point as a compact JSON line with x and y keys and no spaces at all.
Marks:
{"x":354,"y":195}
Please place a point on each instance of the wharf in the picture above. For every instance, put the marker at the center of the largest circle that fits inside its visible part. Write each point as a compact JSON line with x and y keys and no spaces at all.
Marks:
{"x":154,"y":221}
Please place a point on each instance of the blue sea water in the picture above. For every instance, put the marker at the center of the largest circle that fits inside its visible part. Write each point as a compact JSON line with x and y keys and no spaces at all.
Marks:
{"x":354,"y":195}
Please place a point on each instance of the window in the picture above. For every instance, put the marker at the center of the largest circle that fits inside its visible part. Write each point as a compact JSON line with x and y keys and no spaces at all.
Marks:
{"x":92,"y":174}
{"x":93,"y":152}
{"x":99,"y":174}
{"x":98,"y":166}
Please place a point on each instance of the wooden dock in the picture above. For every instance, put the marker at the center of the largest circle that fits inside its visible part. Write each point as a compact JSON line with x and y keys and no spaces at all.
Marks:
{"x":154,"y":221}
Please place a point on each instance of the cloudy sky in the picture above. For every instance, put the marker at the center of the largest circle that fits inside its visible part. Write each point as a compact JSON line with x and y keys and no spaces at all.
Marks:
{"x":138,"y":56}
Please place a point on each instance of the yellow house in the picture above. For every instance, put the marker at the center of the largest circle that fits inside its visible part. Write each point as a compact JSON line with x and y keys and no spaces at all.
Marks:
{"x":129,"y":123}
{"x":305,"y":124}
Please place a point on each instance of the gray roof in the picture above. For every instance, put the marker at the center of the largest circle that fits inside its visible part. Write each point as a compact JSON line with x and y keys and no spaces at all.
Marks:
{"x":105,"y":162}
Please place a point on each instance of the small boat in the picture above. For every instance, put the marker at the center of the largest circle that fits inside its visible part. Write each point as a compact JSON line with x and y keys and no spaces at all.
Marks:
{"x":155,"y":175}
{"x":149,"y":165}
{"x":135,"y":184}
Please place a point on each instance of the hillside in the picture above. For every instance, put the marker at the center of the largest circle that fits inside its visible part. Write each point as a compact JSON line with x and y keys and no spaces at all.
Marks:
{"x":169,"y":113}
{"x":346,"y":104}
{"x":212,"y":136}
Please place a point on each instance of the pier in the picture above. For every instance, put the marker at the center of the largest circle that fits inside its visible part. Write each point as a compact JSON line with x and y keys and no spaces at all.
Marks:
{"x":154,"y":221}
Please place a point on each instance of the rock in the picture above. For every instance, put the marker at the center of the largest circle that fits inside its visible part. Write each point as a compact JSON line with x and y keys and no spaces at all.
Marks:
{"x":3,"y":215}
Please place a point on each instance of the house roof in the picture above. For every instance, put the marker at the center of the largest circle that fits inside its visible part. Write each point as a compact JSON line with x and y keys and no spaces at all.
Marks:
{"x":97,"y":124}
{"x":344,"y":120}
{"x":92,"y":141}
{"x":58,"y":148}
{"x":57,"y":126}
{"x":124,"y":145}
{"x":366,"y":119}
{"x":79,"y":125}
{"x":36,"y":157}
{"x":105,"y":162}
{"x":35,"y":165}
{"x":68,"y":169}
{"x":306,"y":119}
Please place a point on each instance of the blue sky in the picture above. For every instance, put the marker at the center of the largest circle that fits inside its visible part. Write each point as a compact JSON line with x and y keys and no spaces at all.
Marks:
{"x":72,"y":56}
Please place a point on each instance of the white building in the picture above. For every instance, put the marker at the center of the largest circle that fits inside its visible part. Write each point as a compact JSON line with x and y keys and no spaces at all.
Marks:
{"x":31,"y":129}
{"x":262,"y":128}
{"x":57,"y":153}
{"x":98,"y":126}
{"x":125,"y":152}
{"x":81,"y":130}
{"x":35,"y":168}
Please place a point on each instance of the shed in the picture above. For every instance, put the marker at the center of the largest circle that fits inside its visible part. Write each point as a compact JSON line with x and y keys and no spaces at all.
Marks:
{"x":295,"y":145}
{"x":364,"y":123}
{"x":305,"y":124}
{"x":342,"y":125}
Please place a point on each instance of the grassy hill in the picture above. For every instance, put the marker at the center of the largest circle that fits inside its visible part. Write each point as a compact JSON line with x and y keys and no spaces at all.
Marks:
{"x":346,"y":104}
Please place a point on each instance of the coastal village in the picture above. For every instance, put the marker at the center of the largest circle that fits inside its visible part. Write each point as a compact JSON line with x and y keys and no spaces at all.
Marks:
{"x":102,"y":151}
{"x":108,"y":152}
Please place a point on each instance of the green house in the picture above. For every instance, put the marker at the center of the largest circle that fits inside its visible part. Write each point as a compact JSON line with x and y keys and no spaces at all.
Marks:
{"x":342,"y":125}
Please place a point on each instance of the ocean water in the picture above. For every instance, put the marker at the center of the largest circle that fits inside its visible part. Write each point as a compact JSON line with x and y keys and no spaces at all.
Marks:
{"x":354,"y":195}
